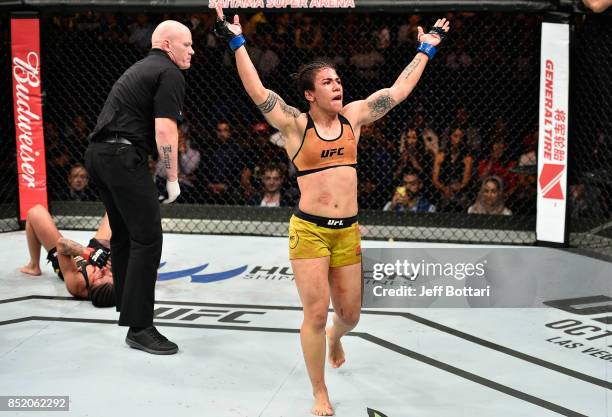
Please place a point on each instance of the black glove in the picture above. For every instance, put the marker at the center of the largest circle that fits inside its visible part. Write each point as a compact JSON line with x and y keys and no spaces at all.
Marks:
{"x":95,"y":244}
{"x":97,"y":257}
{"x":222,"y":31}
{"x":438,"y":31}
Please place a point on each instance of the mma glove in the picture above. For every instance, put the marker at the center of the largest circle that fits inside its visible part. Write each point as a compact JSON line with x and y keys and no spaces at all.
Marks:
{"x":429,"y":49}
{"x":222,"y":31}
{"x":96,"y":257}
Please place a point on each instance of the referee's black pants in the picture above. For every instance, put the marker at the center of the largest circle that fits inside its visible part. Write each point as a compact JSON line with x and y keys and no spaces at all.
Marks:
{"x":122,"y":176}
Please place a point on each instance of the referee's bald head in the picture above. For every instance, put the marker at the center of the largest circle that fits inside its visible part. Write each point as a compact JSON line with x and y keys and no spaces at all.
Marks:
{"x":175,"y":39}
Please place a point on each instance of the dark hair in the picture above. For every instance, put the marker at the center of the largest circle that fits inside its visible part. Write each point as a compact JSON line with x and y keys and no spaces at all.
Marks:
{"x":77,"y":165}
{"x":103,"y":295}
{"x":273,"y":167}
{"x":305,"y":76}
{"x":498,"y":182}
{"x":412,"y":172}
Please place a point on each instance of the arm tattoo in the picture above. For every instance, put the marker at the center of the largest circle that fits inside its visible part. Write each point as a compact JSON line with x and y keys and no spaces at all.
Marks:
{"x":268,"y":105}
{"x":408,"y":70}
{"x":166,"y":151}
{"x":381,"y":105}
{"x":289,"y":111}
{"x":69,"y":247}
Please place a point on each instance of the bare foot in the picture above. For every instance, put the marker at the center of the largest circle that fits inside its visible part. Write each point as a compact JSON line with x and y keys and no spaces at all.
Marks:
{"x":322,"y":406}
{"x":31,"y":269}
{"x":336,"y":353}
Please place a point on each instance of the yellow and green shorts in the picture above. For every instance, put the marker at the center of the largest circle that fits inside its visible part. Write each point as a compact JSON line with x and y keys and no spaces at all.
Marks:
{"x":316,"y":237}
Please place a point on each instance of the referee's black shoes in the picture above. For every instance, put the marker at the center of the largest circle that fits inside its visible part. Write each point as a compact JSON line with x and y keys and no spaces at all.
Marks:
{"x":150,"y":340}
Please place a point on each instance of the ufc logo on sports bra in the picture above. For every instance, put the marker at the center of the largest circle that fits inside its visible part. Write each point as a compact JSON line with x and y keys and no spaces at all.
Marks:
{"x":327,"y":153}
{"x":335,"y":222}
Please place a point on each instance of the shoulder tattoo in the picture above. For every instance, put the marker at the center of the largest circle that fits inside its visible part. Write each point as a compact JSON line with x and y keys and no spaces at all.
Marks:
{"x":273,"y":98}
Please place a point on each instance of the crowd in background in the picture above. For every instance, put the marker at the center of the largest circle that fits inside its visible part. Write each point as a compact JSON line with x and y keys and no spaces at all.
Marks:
{"x":465,"y":141}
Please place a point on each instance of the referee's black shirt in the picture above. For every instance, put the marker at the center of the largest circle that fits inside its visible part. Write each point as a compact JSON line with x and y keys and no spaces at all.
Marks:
{"x":152,"y":87}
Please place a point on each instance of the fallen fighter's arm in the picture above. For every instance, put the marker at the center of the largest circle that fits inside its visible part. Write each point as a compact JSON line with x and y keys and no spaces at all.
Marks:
{"x":69,"y":247}
{"x":75,"y":283}
{"x":95,"y":254}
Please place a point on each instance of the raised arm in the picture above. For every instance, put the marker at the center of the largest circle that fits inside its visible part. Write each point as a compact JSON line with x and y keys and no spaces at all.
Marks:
{"x":378,"y":104}
{"x":276,"y":111}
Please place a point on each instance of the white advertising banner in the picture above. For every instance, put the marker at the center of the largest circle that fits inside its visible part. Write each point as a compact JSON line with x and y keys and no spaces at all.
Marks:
{"x":553,"y":132}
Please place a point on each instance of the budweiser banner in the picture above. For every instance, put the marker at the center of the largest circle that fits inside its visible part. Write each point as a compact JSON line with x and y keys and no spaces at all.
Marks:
{"x":552,"y":145}
{"x":27,"y":110}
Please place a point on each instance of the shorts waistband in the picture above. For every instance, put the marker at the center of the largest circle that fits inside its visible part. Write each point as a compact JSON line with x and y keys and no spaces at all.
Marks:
{"x":327,"y":222}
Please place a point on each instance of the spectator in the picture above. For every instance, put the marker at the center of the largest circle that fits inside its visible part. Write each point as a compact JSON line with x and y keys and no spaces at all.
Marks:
{"x":523,"y":200}
{"x":411,"y":153}
{"x":462,"y":120}
{"x":224,"y":170}
{"x":188,"y":159}
{"x":333,"y":50}
{"x":76,"y":137}
{"x":252,"y":26}
{"x":367,"y":61}
{"x":308,"y":37}
{"x":271,"y":194}
{"x":458,"y":59}
{"x":530,"y":146}
{"x":425,"y":131}
{"x":110,"y":30}
{"x":375,"y":167}
{"x":382,"y":37}
{"x":58,"y":158}
{"x":497,"y":165}
{"x":140,"y":32}
{"x":78,"y":184}
{"x":583,"y":202}
{"x":407,"y":197}
{"x":490,"y":199}
{"x":452,"y":172}
{"x":262,"y":152}
{"x":284,"y":34}
{"x":407,"y":32}
{"x":266,"y":61}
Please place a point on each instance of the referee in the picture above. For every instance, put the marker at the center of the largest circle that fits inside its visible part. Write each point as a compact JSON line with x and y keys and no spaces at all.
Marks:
{"x":138,"y":119}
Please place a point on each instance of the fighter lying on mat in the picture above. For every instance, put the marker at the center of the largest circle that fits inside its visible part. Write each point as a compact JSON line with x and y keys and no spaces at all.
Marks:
{"x":86,"y":271}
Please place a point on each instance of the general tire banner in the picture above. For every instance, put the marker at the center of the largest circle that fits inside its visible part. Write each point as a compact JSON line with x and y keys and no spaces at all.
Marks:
{"x":27,"y":110}
{"x":553,"y":131}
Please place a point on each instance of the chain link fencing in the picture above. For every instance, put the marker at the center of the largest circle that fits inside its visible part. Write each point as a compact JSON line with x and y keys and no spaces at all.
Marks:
{"x":474,"y":110}
{"x":590,"y":180}
{"x":8,"y":162}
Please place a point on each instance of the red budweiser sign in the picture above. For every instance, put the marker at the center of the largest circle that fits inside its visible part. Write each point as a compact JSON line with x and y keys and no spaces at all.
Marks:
{"x":27,"y":109}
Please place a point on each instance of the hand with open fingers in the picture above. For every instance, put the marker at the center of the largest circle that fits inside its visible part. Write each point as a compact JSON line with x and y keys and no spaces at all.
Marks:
{"x":229,"y":32}
{"x":437,"y":33}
